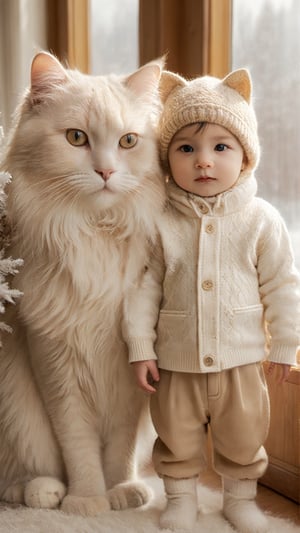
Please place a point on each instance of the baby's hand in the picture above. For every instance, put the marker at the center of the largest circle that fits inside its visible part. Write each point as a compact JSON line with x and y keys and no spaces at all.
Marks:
{"x":280,"y":369}
{"x":146,"y":373}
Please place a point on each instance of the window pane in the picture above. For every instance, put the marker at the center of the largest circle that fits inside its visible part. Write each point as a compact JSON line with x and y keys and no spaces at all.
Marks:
{"x":266,"y":39}
{"x":114,"y":36}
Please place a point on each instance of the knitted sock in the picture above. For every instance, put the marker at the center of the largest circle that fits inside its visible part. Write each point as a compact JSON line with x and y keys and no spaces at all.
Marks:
{"x":181,"y":510}
{"x":240,"y":508}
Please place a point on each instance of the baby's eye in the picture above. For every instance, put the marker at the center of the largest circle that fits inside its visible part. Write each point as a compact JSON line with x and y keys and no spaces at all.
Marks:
{"x":128,"y":140}
{"x":186,"y":148}
{"x":77,"y":137}
{"x":221,"y":147}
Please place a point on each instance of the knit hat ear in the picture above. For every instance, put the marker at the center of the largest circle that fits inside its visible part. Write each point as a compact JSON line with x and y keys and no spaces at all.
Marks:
{"x":168,"y":82}
{"x":240,"y":81}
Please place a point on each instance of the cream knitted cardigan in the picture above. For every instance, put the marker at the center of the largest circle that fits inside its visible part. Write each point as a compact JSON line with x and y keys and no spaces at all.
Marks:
{"x":221,"y":290}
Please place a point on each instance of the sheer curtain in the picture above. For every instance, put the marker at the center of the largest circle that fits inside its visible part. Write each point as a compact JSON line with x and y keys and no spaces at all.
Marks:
{"x":23,"y":32}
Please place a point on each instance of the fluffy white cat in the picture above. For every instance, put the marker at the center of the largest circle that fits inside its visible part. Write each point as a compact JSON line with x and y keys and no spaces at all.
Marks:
{"x":85,"y":195}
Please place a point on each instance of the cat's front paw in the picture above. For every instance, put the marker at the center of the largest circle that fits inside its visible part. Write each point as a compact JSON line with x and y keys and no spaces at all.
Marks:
{"x":129,"y":494}
{"x":85,"y":506}
{"x":14,"y":493}
{"x":44,"y":492}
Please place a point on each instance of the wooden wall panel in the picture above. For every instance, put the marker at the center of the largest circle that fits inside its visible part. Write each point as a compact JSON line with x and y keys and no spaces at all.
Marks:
{"x":283,"y":442}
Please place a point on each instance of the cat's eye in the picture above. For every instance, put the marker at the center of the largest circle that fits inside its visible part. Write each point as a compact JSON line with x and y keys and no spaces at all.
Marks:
{"x":76,"y":137}
{"x":128,"y":140}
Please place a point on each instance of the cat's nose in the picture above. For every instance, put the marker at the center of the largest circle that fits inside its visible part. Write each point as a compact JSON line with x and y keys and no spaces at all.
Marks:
{"x":105,"y":173}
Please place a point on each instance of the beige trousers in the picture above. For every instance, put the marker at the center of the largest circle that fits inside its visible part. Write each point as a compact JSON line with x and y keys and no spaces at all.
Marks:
{"x":234,"y":403}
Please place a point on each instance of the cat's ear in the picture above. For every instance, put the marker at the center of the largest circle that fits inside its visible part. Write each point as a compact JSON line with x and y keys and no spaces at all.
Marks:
{"x":240,"y":81}
{"x":168,"y":82}
{"x":145,"y":80}
{"x":46,"y":72}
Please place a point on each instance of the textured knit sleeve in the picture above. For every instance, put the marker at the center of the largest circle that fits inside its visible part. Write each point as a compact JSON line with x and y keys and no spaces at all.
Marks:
{"x":141,"y":309}
{"x":279,"y":283}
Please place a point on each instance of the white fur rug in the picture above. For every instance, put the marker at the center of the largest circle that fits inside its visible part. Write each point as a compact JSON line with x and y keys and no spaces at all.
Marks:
{"x":143,"y":520}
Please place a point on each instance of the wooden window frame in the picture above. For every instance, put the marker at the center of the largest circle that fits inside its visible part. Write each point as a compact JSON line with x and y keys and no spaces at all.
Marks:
{"x":68,"y":32}
{"x":218,"y":43}
{"x":204,"y":30}
{"x":203,"y":27}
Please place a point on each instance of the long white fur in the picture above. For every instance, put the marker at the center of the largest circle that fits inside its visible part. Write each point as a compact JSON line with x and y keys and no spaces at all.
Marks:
{"x":69,"y":408}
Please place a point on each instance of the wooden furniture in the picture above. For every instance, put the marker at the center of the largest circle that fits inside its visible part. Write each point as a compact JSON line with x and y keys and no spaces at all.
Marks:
{"x":283,"y":442}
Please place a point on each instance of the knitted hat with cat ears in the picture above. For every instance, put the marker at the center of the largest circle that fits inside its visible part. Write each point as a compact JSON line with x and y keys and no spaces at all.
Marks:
{"x":226,"y":102}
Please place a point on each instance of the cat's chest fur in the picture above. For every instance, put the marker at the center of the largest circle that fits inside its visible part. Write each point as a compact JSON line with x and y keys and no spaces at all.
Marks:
{"x":81,"y":290}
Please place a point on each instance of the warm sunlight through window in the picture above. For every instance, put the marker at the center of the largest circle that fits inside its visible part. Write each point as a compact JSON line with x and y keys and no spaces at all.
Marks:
{"x":266,"y":39}
{"x":114,"y":36}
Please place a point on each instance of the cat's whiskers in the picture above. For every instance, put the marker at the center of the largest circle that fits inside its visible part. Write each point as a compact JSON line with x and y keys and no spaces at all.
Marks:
{"x":60,"y":195}
{"x":127,"y":184}
{"x":60,"y":184}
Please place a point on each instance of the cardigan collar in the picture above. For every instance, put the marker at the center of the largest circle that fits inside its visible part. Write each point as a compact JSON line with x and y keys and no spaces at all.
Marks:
{"x":223,"y":204}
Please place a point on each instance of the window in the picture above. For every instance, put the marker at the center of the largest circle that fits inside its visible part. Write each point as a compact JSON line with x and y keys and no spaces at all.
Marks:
{"x":266,"y":39}
{"x":114,"y":36}
{"x":200,"y":36}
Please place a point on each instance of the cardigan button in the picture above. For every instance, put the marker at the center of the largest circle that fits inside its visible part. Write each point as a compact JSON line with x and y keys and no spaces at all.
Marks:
{"x":207,"y":285}
{"x":203,"y":208}
{"x":209,"y":228}
{"x":208,"y":360}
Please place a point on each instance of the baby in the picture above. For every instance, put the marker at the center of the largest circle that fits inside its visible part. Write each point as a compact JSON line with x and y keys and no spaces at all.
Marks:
{"x":220,"y":294}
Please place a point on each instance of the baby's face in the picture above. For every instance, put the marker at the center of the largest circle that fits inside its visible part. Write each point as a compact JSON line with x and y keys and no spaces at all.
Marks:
{"x":205,"y":161}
